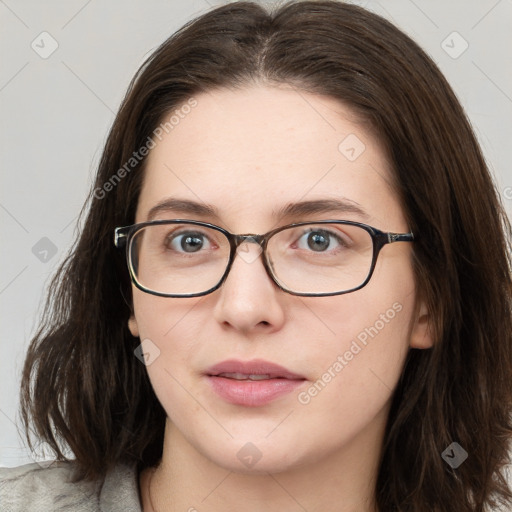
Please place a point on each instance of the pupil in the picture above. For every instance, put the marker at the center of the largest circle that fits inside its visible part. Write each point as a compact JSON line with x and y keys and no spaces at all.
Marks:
{"x":318,"y":241}
{"x":191,"y":243}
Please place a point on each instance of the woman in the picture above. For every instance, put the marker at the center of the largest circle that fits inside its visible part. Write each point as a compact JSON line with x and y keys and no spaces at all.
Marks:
{"x":292,"y":290}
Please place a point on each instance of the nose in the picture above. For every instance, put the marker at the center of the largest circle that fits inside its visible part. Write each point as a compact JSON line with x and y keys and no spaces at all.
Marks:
{"x":249,"y":300}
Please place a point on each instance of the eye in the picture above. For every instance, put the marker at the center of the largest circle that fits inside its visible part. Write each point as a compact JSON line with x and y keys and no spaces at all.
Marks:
{"x":320,"y":240}
{"x":189,"y":241}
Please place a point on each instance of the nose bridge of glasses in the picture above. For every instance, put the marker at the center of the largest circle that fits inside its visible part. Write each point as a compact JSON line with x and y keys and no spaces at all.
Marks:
{"x":242,"y":247}
{"x":249,"y":238}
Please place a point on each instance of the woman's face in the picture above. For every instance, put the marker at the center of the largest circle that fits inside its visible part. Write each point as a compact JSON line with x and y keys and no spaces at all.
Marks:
{"x":248,"y":154}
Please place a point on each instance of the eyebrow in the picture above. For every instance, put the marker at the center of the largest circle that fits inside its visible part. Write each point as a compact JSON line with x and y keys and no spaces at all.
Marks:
{"x":290,"y":210}
{"x":174,"y":205}
{"x":302,"y":208}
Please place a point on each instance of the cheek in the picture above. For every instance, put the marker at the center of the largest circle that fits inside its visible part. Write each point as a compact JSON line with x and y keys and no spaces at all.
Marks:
{"x":358,"y":360}
{"x":158,"y":317}
{"x":368,"y":343}
{"x":165,"y":333}
{"x":168,"y":362}
{"x":354,"y":375}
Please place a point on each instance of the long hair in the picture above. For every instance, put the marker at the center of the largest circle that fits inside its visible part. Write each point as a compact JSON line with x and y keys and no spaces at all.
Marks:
{"x":82,"y":387}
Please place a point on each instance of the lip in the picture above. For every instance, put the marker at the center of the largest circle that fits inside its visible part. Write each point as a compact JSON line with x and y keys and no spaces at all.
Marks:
{"x":252,"y":393}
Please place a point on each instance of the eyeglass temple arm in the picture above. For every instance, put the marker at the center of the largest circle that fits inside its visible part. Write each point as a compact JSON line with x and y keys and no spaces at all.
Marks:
{"x":120,"y":237}
{"x":400,"y":237}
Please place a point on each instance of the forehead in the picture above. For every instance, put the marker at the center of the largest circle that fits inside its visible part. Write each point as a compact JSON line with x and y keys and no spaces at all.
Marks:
{"x":254,"y":150}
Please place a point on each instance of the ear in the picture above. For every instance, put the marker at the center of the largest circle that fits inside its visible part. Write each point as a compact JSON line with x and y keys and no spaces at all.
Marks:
{"x":421,"y":332}
{"x":132,"y":325}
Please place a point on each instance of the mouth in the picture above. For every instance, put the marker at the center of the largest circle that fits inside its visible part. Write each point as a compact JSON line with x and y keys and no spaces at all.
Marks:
{"x":257,"y":369}
{"x":244,"y":376}
{"x":251,"y":383}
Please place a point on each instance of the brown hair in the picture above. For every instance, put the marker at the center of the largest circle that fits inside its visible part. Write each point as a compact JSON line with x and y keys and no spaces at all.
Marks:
{"x":83,"y":387}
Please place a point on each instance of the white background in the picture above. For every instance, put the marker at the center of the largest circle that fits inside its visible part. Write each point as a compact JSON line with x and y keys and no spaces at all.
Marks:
{"x":56,"y":111}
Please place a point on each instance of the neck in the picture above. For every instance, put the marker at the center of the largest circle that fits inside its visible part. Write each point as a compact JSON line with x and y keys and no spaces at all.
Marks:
{"x":187,"y":480}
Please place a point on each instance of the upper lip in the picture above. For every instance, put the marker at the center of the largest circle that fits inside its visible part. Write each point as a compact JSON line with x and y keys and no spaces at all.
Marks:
{"x":254,"y":367}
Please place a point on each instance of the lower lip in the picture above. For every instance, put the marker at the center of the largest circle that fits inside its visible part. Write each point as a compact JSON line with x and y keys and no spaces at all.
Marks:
{"x":252,"y":393}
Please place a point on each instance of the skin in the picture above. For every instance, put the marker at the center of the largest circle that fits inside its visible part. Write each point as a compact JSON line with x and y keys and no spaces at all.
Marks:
{"x":247,"y":152}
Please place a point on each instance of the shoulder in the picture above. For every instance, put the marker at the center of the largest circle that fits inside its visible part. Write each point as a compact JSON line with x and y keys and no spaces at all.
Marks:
{"x":32,"y":488}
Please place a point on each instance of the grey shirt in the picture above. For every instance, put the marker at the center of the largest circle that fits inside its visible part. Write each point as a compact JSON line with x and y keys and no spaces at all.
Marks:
{"x":33,"y":488}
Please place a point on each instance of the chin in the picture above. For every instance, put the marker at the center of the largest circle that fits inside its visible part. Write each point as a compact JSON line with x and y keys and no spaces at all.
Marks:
{"x":256,"y":458}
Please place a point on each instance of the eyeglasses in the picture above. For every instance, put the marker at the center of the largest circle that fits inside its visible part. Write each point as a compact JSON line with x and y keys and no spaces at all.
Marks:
{"x":188,"y":258}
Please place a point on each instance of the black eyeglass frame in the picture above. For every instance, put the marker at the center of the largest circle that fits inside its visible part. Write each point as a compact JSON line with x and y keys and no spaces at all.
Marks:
{"x":124,"y":235}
